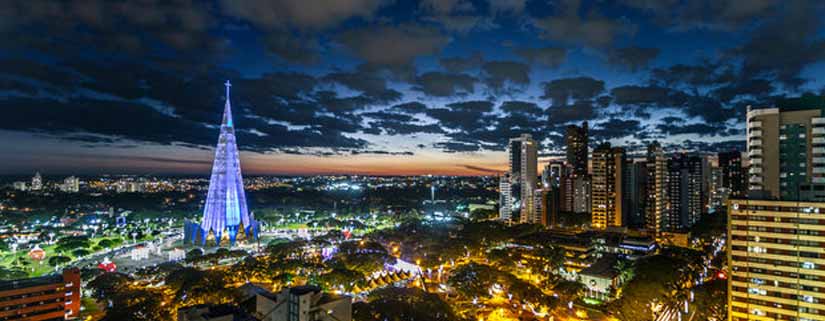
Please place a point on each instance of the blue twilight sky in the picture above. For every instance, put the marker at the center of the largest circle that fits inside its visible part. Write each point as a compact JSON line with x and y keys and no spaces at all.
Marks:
{"x":386,"y":87}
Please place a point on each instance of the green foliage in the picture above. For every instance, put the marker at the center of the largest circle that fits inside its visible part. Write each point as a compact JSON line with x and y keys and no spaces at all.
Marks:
{"x":69,"y":243}
{"x":709,"y":301}
{"x":475,"y":280}
{"x":57,"y":260}
{"x":363,"y":257}
{"x":195,"y":286}
{"x":402,"y":304}
{"x":654,"y":279}
{"x":12,"y":274}
{"x":339,"y":277}
{"x":481,"y":214}
{"x":81,"y":252}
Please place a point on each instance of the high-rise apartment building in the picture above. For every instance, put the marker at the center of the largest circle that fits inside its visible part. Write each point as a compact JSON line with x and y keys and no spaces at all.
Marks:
{"x":777,"y":266}
{"x":505,"y":202}
{"x":553,"y":173}
{"x":546,"y":205}
{"x":581,"y":194}
{"x":733,"y":174}
{"x":684,"y":192}
{"x":522,"y":179}
{"x":635,"y":185}
{"x":607,"y":187}
{"x":37,"y":182}
{"x":656,"y":163}
{"x":577,"y":142}
{"x":70,"y":185}
{"x":786,"y":148}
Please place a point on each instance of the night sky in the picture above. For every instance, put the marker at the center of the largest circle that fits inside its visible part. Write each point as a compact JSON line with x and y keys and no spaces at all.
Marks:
{"x":385,"y":87}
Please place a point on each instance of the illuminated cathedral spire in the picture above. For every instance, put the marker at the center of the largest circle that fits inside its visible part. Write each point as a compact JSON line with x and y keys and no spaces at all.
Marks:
{"x":225,"y":211}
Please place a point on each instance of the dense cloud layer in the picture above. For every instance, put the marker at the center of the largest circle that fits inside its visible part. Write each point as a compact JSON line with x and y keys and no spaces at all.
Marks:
{"x":321,"y":78}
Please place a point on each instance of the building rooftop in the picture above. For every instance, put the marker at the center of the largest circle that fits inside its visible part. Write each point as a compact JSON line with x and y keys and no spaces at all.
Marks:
{"x":604,"y":267}
{"x":25,"y":283}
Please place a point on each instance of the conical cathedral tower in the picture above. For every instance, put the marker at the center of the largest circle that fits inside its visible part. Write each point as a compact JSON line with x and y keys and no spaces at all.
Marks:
{"x":225,"y":212}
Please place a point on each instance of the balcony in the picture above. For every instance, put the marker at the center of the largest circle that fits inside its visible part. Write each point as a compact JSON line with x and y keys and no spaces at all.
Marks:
{"x":757,"y":142}
{"x":819,"y":170}
{"x":818,"y":130}
{"x":756,"y":161}
{"x":755,"y":152}
{"x":818,"y":160}
{"x":818,"y":121}
{"x":755,"y":179}
{"x":818,"y":180}
{"x":758,"y":133}
{"x":755,"y":124}
{"x":755,"y":170}
{"x":818,"y":150}
{"x":818,"y":140}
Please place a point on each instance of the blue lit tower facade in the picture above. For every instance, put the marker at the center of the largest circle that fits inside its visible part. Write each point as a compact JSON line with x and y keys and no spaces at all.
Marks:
{"x":225,"y":211}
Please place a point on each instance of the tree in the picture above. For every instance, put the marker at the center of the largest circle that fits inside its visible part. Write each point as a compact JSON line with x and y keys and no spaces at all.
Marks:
{"x":58,"y":260}
{"x":709,"y":301}
{"x":138,"y":304}
{"x":195,"y":286}
{"x":80,"y":252}
{"x":481,"y":214}
{"x":402,"y":304}
{"x":654,"y":278}
{"x":339,"y":277}
{"x":12,"y":274}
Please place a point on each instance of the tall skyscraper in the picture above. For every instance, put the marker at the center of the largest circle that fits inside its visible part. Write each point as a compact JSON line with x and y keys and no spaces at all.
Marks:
{"x":684,"y":192}
{"x":70,"y":185}
{"x":775,"y":260}
{"x":505,"y":209}
{"x":37,"y":182}
{"x":553,"y":173}
{"x":655,"y":191}
{"x":581,"y":194}
{"x":225,"y":211}
{"x":732,"y":173}
{"x":607,"y":187}
{"x":635,"y":191}
{"x":523,"y":163}
{"x":786,"y":148}
{"x":577,"y":142}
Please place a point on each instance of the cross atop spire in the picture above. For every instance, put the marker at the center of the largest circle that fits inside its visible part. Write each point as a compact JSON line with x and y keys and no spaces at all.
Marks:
{"x":227,"y":84}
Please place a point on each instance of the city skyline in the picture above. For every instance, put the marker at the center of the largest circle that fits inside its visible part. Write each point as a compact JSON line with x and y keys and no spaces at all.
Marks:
{"x":375,"y":88}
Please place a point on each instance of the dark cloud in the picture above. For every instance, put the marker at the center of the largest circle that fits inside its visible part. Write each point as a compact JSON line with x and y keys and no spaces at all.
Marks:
{"x":615,"y":128}
{"x":441,"y":84}
{"x":455,"y":147}
{"x":521,"y":107}
{"x":459,"y":64}
{"x":370,"y":84}
{"x":560,"y":91}
{"x":549,"y":56}
{"x":632,"y":58}
{"x":575,"y":24}
{"x":299,"y":49}
{"x":646,"y":96}
{"x":302,"y":14}
{"x":578,"y":111}
{"x":766,"y":54}
{"x":410,"y":107}
{"x":393,"y":45}
{"x":488,"y":171}
{"x":700,"y":129}
{"x":465,"y":116}
{"x":506,"y":76}
{"x":705,"y":14}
